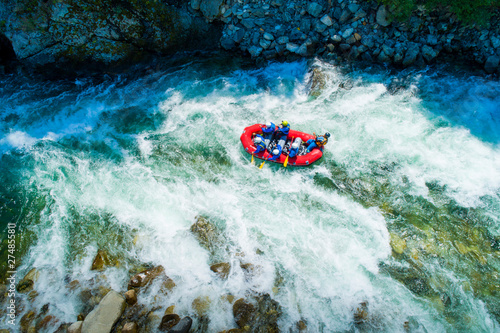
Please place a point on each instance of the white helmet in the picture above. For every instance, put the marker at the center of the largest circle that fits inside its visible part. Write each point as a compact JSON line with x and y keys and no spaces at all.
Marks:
{"x":268,"y":124}
{"x":276,"y":151}
{"x":258,"y":140}
{"x":295,"y":145}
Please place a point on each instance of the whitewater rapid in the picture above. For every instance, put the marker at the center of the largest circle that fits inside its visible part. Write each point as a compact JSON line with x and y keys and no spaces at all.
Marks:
{"x":127,"y":164}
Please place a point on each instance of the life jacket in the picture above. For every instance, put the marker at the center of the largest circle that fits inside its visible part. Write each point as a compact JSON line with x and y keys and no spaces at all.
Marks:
{"x":262,"y":143}
{"x":293,"y":152}
{"x":269,"y":130}
{"x":321,"y":141}
{"x":275,"y":157}
{"x":284,"y":129}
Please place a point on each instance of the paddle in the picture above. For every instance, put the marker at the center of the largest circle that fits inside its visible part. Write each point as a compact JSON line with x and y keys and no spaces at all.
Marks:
{"x":252,"y":162}
{"x":286,"y":159}
{"x":263,"y":163}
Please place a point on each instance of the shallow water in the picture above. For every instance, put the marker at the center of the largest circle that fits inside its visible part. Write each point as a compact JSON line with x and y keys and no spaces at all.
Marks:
{"x":126,"y":164}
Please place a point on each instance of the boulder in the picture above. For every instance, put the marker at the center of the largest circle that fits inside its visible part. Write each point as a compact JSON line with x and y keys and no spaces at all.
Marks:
{"x":183,"y":326}
{"x":411,"y":54}
{"x":145,"y":277}
{"x":346,"y":15}
{"x":282,"y":40}
{"x":168,"y":321}
{"x":211,"y":8}
{"x":207,"y":234}
{"x":27,"y":283}
{"x":227,"y":42}
{"x":105,"y":315}
{"x":314,"y":9}
{"x":265,"y":44}
{"x":429,"y":53}
{"x":222,"y":269}
{"x":75,"y":327}
{"x":255,"y":51}
{"x":383,"y":16}
{"x":326,"y":20}
{"x":130,"y":328}
{"x":268,"y":36}
{"x":243,"y":312}
{"x":491,"y":64}
{"x":131,"y":297}
{"x":101,"y":260}
{"x":397,"y":243}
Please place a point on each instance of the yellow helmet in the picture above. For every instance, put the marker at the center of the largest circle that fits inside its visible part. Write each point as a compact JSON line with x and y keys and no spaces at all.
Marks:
{"x":284,"y":123}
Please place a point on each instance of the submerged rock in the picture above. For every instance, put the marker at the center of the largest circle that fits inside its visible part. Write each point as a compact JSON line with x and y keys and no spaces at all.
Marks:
{"x":206,"y":234}
{"x":101,"y":260}
{"x":145,"y":277}
{"x":183,"y":326}
{"x":222,"y":269}
{"x":130,"y":328}
{"x":317,"y":82}
{"x":105,"y":315}
{"x":168,"y":321}
{"x":243,"y":312}
{"x":75,"y":327}
{"x":131,"y":297}
{"x":27,"y":283}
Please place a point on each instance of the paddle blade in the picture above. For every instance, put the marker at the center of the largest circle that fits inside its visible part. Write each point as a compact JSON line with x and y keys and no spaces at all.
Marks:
{"x":286,"y":162}
{"x":262,"y":165}
{"x":252,"y":161}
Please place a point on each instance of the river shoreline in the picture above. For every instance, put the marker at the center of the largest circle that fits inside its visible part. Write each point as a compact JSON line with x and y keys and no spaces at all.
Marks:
{"x":338,"y":32}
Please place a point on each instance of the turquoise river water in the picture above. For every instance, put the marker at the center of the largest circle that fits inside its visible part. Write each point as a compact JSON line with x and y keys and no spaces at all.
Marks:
{"x":401,"y":215}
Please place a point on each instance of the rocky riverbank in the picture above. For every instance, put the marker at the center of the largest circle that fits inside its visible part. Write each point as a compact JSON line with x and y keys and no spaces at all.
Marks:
{"x":86,"y":33}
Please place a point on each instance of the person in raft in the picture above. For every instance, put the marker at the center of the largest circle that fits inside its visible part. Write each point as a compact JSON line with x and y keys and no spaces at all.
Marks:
{"x":283,"y":130}
{"x":268,"y":130}
{"x":317,"y":142}
{"x":260,"y":143}
{"x":294,"y":150}
{"x":276,"y":153}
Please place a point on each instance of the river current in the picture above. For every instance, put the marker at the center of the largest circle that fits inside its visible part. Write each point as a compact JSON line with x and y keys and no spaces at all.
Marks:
{"x":401,"y":216}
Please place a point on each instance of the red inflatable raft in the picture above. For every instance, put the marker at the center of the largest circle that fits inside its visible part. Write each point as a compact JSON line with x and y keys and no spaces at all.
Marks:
{"x":300,"y":160}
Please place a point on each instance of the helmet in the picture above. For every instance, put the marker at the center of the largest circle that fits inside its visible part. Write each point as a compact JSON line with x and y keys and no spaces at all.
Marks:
{"x":295,"y":145}
{"x":327,"y":134}
{"x":268,"y":124}
{"x":258,"y":140}
{"x":284,"y":123}
{"x":276,"y":152}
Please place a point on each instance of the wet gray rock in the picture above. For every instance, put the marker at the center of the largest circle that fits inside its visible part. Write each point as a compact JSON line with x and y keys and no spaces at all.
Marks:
{"x":265,"y":44}
{"x":183,"y":326}
{"x":491,"y":64}
{"x":211,"y":8}
{"x":326,"y":20}
{"x":346,"y":15}
{"x":283,"y":40}
{"x":255,"y":51}
{"x":314,"y":9}
{"x":105,"y":315}
{"x":75,"y":327}
{"x":429,"y":53}
{"x":383,"y":16}
{"x":411,"y":54}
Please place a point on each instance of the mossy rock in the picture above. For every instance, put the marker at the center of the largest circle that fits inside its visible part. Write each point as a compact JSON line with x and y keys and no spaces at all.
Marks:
{"x":243,"y":312}
{"x":221,"y":269}
{"x":207,"y":234}
{"x":168,"y":321}
{"x":398,"y":244}
{"x":101,"y":260}
{"x":26,"y":320}
{"x":201,"y":305}
{"x":28,"y":282}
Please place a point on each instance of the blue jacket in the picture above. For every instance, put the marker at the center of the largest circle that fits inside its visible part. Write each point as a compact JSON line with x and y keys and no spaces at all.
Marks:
{"x":269,"y":130}
{"x":274,"y":157}
{"x":284,"y":129}
{"x":293,"y":152}
{"x":260,"y":146}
